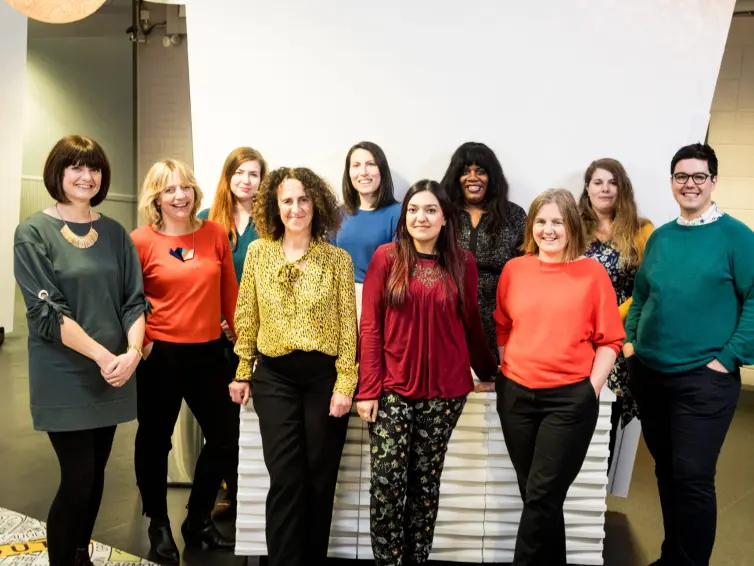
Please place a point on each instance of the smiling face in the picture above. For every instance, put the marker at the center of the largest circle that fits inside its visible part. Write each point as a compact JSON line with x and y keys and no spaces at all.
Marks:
{"x":296,"y":208}
{"x":474,"y":181}
{"x":364,"y":173}
{"x":424,"y":219}
{"x":81,"y":183}
{"x":244,"y":184}
{"x":550,"y":233}
{"x":693,"y":197}
{"x":603,"y":192}
{"x":176,"y":201}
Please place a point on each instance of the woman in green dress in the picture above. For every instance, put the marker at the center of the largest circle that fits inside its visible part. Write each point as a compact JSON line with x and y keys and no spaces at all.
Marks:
{"x":80,"y":277}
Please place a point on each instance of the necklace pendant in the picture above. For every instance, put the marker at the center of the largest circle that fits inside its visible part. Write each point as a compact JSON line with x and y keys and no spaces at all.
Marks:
{"x":188,"y":255}
{"x":82,"y":242}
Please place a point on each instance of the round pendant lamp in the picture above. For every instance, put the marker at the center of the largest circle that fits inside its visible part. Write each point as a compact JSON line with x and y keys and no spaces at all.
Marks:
{"x":56,"y":11}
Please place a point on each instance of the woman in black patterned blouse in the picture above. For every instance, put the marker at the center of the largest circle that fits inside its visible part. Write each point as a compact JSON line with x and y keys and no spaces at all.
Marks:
{"x":491,"y":227}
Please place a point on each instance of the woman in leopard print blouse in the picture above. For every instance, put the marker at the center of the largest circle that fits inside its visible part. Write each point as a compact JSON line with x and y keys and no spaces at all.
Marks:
{"x":296,"y":323}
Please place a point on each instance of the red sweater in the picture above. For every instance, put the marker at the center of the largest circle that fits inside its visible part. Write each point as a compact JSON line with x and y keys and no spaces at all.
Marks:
{"x":551,"y":317}
{"x":421,"y":349}
{"x":187,"y":297}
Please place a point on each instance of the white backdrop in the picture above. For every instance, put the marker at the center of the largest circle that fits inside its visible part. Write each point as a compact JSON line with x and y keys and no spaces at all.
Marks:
{"x":549,"y":85}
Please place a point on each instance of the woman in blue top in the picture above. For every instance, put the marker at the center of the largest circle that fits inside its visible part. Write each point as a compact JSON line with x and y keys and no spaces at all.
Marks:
{"x":371,"y":212}
{"x":243,"y":172}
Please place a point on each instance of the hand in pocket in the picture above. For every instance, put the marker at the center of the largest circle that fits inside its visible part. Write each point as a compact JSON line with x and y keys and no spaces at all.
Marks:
{"x":714,"y":365}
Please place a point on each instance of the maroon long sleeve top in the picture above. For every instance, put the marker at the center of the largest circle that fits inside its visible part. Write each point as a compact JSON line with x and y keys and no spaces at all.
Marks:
{"x":425,"y":348}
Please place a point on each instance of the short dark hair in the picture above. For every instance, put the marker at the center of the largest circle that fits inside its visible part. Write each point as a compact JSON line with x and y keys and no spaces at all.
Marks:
{"x":75,"y":150}
{"x":266,"y":213}
{"x":700,"y":151}
{"x":386,"y":191}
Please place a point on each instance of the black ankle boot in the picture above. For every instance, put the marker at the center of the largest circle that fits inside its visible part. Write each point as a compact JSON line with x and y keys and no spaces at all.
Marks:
{"x":82,"y":557}
{"x":203,"y":530}
{"x":162,"y":542}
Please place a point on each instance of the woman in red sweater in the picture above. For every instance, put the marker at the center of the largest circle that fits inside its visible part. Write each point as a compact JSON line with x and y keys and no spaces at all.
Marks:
{"x":190,"y":281}
{"x":420,"y":332}
{"x":558,"y":332}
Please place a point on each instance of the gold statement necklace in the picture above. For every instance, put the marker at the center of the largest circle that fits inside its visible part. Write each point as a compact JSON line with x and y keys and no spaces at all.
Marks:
{"x":82,"y":242}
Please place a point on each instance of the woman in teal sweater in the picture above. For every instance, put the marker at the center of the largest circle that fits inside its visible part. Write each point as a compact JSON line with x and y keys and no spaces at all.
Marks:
{"x":689,"y":331}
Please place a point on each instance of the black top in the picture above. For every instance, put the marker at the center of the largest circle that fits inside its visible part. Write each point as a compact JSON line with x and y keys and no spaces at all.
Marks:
{"x":492,"y":252}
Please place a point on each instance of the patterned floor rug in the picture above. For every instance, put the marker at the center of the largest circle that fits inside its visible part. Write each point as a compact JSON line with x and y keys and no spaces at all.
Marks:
{"x":23,"y":542}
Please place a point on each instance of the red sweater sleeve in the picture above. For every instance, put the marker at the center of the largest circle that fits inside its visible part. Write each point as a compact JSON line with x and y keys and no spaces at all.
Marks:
{"x":482,"y":361}
{"x":608,"y":327}
{"x":228,"y":283}
{"x":371,"y":341}
{"x":503,"y":323}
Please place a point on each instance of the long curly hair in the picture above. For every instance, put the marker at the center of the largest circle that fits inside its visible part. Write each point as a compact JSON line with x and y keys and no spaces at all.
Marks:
{"x":626,"y":222}
{"x":495,"y":201}
{"x":450,"y":256}
{"x":224,"y":203}
{"x":266,"y":213}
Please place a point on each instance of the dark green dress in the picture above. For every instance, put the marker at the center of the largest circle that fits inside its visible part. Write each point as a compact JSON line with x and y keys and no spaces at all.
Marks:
{"x":101,"y":289}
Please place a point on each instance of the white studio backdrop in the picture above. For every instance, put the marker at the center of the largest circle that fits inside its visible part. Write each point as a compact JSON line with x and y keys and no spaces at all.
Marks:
{"x":549,"y":85}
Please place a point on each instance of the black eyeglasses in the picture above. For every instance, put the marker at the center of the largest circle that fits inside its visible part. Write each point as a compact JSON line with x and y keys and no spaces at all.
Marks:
{"x":698,"y":178}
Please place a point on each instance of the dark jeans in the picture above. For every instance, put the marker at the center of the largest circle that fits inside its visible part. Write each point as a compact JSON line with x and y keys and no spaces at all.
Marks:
{"x":408,"y":443}
{"x":547,"y":434}
{"x":685,"y":418}
{"x":197,"y":373}
{"x":302,"y":446}
{"x":82,"y":455}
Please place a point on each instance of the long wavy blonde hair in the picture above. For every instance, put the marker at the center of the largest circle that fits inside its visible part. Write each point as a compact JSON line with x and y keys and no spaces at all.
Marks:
{"x":157,"y":180}
{"x":625,"y":235}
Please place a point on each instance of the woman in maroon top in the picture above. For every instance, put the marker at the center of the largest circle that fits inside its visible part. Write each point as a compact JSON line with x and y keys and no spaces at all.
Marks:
{"x":419,"y":323}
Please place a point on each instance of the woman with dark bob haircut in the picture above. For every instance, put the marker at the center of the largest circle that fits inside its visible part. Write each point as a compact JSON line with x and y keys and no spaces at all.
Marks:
{"x":490,"y":226}
{"x":79,"y":274}
{"x":296,"y":326}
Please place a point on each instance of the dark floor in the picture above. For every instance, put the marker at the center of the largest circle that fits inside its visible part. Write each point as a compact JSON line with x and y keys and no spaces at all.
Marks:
{"x":29,"y":476}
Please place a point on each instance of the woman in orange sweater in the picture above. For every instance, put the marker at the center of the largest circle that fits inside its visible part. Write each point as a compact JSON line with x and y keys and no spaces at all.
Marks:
{"x":558,"y":332}
{"x":616,"y":237}
{"x":190,"y":281}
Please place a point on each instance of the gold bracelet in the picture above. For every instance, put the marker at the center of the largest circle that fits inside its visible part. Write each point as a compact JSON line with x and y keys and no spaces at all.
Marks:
{"x":138,"y":350}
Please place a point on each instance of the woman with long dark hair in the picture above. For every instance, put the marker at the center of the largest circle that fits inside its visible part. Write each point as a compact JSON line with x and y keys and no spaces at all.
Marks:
{"x":420,"y":334}
{"x":370,"y":212}
{"x":490,"y":226}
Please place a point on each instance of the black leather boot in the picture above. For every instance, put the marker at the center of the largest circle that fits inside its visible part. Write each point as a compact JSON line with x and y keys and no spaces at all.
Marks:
{"x":162,"y":541}
{"x":202,"y":530}
{"x":82,"y":557}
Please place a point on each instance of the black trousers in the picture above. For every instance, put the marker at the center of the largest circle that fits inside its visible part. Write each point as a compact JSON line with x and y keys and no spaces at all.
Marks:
{"x":302,"y":446}
{"x":197,"y":373}
{"x":231,"y":477}
{"x":82,"y":455}
{"x":685,"y":418}
{"x":547,"y":434}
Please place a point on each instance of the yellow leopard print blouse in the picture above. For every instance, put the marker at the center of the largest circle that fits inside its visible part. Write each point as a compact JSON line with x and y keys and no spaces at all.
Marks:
{"x":282,"y":308}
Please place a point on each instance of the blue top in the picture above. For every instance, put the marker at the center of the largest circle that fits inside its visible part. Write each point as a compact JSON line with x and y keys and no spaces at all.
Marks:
{"x":242,"y":244}
{"x":364,"y":231}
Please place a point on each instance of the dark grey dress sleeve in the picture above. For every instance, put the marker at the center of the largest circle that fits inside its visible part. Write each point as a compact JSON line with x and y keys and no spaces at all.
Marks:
{"x":135,"y":303}
{"x":45,"y":304}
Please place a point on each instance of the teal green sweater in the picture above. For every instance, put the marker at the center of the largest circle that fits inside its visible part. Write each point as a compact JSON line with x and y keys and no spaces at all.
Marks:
{"x":693,"y":298}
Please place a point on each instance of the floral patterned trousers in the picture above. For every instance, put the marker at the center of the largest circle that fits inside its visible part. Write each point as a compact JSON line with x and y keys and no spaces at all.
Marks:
{"x":408,"y":442}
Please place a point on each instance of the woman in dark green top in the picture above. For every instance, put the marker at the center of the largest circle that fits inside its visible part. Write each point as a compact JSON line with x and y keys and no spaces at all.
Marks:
{"x":243,"y":172}
{"x":80,"y":277}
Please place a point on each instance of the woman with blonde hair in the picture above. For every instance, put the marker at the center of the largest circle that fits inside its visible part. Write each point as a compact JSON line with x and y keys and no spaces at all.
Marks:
{"x":558,"y":333}
{"x":296,"y":324}
{"x":243,"y":171}
{"x":616,"y":237}
{"x":189,"y":279}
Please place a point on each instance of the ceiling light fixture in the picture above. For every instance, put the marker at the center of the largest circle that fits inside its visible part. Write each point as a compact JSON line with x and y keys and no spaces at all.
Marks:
{"x":56,"y":11}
